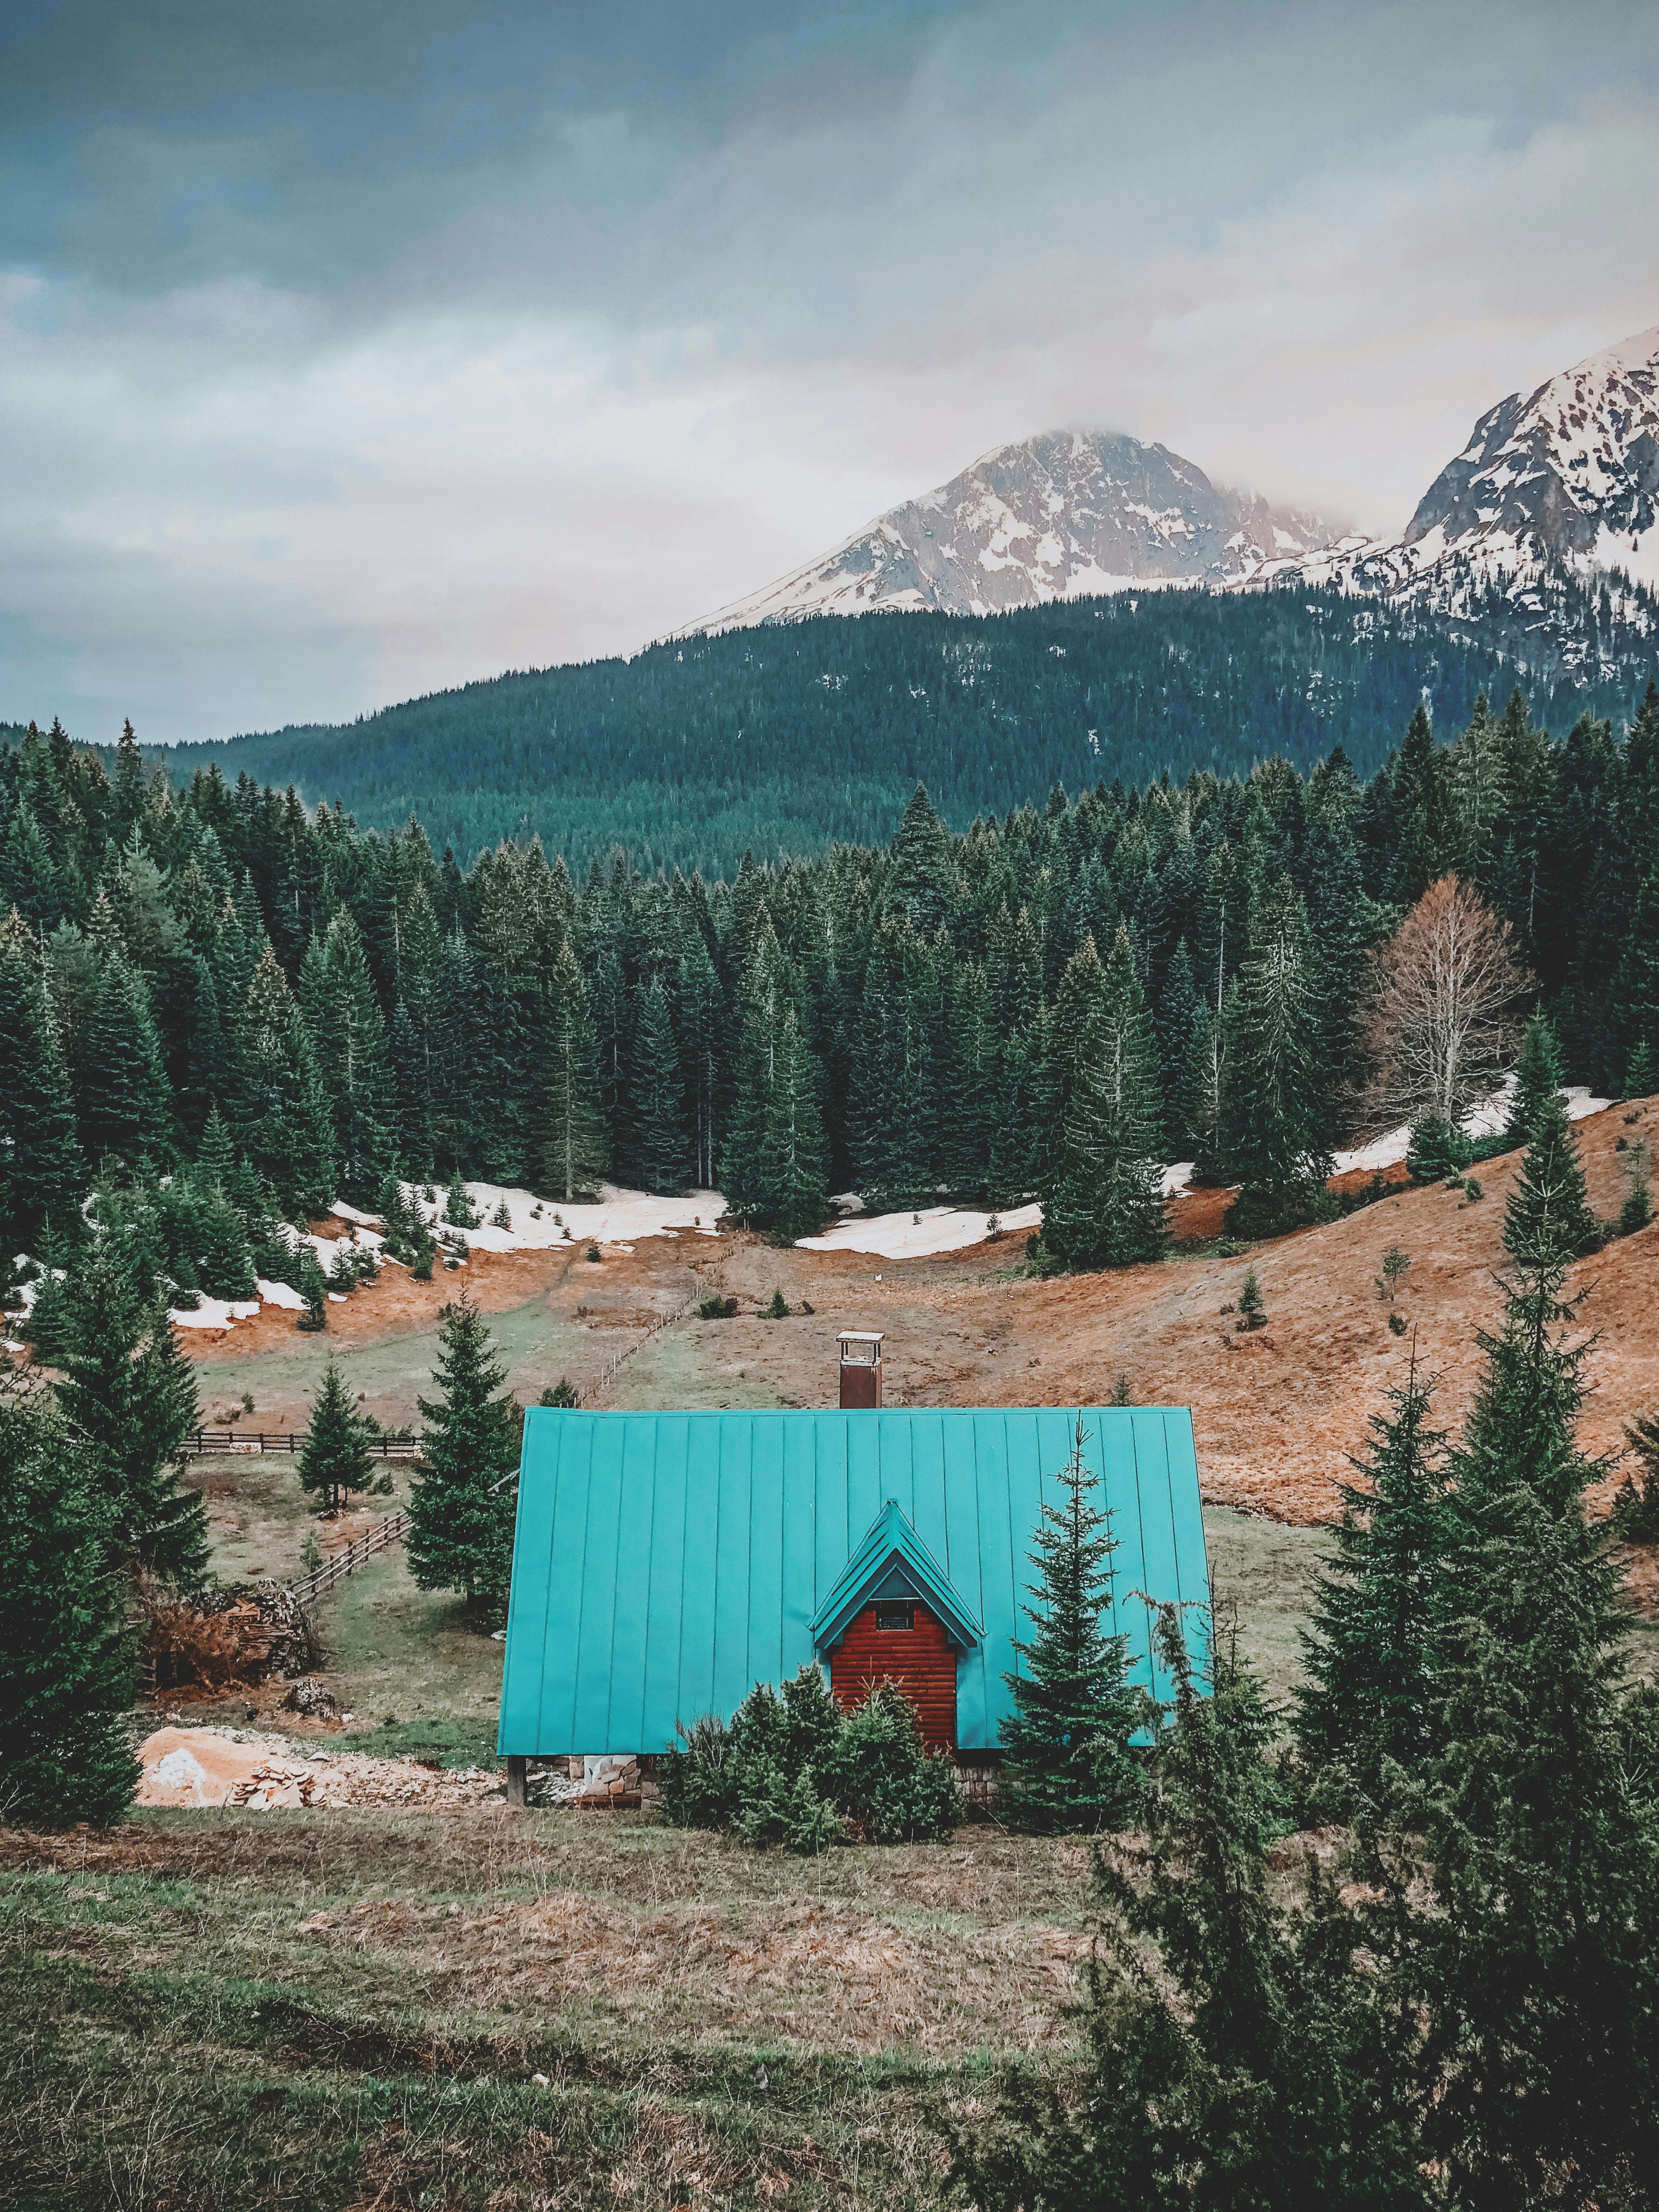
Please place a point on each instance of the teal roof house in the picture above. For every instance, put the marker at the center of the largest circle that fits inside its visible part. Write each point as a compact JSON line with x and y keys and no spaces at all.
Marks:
{"x":664,"y":1563}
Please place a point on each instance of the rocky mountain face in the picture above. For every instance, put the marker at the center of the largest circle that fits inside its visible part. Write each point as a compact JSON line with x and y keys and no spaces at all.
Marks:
{"x":1063,"y":516}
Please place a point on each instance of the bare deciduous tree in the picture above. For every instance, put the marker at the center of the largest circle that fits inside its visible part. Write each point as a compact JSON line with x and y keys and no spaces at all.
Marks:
{"x":1445,"y":1015}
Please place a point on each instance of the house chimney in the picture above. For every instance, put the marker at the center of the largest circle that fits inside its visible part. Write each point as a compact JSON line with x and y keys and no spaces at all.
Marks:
{"x":860,"y":1369}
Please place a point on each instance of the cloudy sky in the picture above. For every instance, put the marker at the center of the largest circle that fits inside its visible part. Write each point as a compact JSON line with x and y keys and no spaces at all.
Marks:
{"x":349,"y":349}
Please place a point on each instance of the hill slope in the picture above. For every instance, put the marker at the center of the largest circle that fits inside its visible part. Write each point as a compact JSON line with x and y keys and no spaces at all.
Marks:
{"x":786,"y":737}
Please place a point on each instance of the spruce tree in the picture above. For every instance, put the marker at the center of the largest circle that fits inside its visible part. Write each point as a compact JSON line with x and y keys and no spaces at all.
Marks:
{"x":353,"y":1057}
{"x":1180,"y":1016}
{"x":1273,"y":1110}
{"x":1234,"y":2059}
{"x":574,"y":1141}
{"x":281,"y":1120}
{"x":42,"y":1174}
{"x":1546,"y":1214}
{"x":1533,"y":1974}
{"x":224,"y":1265}
{"x":1066,"y":1766}
{"x":1635,"y":993}
{"x":1107,"y":1209}
{"x":1537,"y":1079}
{"x":658,"y":1148}
{"x":334,"y":1458}
{"x":791,"y":1192}
{"x":129,"y":1394}
{"x":462,"y":1501}
{"x":66,"y":1674}
{"x":1371,"y":1693}
{"x":124,"y":1109}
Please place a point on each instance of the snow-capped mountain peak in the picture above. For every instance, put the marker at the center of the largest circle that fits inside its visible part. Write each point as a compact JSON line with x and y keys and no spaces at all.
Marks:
{"x":1568,"y":475}
{"x":1060,"y":516}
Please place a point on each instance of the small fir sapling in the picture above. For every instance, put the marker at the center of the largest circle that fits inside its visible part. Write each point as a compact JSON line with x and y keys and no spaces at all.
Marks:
{"x":1120,"y":1391}
{"x":458,"y":1209}
{"x":313,"y":1287}
{"x":502,"y":1217}
{"x":311,"y":1553}
{"x":1394,"y":1266}
{"x":1436,"y":1150}
{"x":343,"y":1269}
{"x":1642,"y":1072}
{"x":562,"y":1393}
{"x":778,"y":1309}
{"x":334,"y":1459}
{"x":1637,"y":1211}
{"x":1636,"y":1507}
{"x":1252,"y":1311}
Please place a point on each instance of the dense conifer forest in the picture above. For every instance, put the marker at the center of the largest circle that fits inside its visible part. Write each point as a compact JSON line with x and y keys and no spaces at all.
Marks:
{"x":783,"y":739}
{"x":287,"y":1007}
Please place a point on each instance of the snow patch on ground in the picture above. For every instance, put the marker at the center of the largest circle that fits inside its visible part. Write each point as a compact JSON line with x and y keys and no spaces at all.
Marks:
{"x":1482,"y":1121}
{"x":918,"y":1237}
{"x":953,"y":1229}
{"x":214,"y":1313}
{"x":279,"y":1294}
{"x":615,"y":1218}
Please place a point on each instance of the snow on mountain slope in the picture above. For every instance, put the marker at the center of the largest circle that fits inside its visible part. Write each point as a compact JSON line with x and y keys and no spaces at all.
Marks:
{"x":1562,"y":481}
{"x":1061,"y":516}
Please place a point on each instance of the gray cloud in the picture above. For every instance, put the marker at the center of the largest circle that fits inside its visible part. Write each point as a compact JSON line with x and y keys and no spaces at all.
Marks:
{"x":347,"y":351}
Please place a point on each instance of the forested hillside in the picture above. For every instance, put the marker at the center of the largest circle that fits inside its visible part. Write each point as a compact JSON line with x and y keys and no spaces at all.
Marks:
{"x":1053,"y":1001}
{"x":781,"y":739}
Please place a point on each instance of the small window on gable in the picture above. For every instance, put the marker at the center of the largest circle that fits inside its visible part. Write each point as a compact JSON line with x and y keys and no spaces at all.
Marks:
{"x":895,"y":1613}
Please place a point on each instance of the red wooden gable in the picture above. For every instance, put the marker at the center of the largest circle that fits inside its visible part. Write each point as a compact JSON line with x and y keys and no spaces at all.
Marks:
{"x":920,"y":1659}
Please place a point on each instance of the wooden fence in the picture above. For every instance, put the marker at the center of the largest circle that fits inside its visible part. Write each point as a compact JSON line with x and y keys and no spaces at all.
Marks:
{"x":202,"y":1442}
{"x":355,"y":1554}
{"x":627,"y":1351}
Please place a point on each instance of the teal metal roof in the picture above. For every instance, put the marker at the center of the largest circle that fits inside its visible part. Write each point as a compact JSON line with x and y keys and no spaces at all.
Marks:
{"x":664,"y":1563}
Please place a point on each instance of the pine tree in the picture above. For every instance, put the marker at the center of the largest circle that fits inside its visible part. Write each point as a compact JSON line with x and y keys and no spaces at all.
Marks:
{"x":792,"y":1191}
{"x":125,"y":1108}
{"x":573,"y":1143}
{"x":1424,"y":812}
{"x":1533,"y":1973}
{"x":1234,"y":2057}
{"x":224,"y":1264}
{"x":42,"y":1176}
{"x":66,"y":1675}
{"x":1107,"y":1209}
{"x":334,"y":1458}
{"x":281,"y":1120}
{"x":1635,"y":993}
{"x":352,"y":1055}
{"x":129,"y":1394}
{"x":658,"y":1150}
{"x":1537,"y":1079}
{"x":1371,"y":1692}
{"x":1179,"y":1014}
{"x":1067,"y":1768}
{"x":312,"y":1286}
{"x":1273,"y":1110}
{"x":1546,"y":1214}
{"x":461,"y":1504}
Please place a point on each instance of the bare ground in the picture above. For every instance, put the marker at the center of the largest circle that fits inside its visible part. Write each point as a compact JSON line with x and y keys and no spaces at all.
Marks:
{"x":1277,"y":1410}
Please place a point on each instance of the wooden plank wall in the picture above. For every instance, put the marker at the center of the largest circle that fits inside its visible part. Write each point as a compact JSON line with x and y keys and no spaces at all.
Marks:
{"x":922,"y":1661}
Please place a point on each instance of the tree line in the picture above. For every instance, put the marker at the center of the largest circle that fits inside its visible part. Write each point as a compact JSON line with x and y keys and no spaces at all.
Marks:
{"x":790,"y":736}
{"x":233,"y":1010}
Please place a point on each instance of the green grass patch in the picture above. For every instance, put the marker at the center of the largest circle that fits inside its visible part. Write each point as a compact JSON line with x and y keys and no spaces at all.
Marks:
{"x":264,"y":2009}
{"x":1262,"y":1574}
